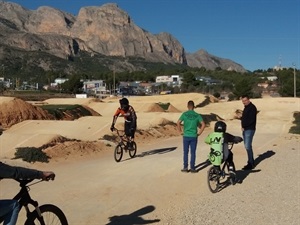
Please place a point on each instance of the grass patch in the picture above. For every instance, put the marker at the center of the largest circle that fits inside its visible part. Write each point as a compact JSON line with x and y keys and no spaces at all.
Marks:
{"x":60,"y":111}
{"x":31,"y":154}
{"x":296,"y":129}
{"x":164,"y":106}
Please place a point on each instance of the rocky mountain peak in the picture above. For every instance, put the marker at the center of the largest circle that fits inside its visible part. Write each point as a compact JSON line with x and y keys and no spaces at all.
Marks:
{"x":104,"y":30}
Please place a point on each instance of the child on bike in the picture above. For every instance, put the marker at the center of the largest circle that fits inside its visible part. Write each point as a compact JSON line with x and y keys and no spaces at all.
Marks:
{"x":218,"y":141}
{"x":130,"y":117}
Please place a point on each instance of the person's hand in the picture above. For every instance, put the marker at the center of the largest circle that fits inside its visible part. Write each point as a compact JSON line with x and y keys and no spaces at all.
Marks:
{"x":112,"y":128}
{"x":48,"y":175}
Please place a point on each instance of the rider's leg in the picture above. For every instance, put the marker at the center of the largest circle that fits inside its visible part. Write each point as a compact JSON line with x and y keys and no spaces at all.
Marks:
{"x":9,"y":209}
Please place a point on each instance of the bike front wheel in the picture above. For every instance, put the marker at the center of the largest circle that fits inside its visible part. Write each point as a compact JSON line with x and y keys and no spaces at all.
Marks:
{"x":132,"y":151}
{"x":118,"y":153}
{"x":51,"y":215}
{"x":213,"y":179}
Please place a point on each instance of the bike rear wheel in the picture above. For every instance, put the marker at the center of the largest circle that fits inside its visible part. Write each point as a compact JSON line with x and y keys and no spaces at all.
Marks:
{"x":118,"y":153}
{"x":51,"y":215}
{"x":132,"y":151}
{"x":213,"y":179}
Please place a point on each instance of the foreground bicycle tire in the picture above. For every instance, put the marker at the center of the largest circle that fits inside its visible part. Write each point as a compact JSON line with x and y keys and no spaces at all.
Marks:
{"x":51,"y":215}
{"x":118,"y":153}
{"x":213,"y":180}
{"x":132,"y":151}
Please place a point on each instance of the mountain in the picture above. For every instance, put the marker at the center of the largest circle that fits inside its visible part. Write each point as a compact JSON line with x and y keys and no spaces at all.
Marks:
{"x":104,"y":35}
{"x":202,"y":58}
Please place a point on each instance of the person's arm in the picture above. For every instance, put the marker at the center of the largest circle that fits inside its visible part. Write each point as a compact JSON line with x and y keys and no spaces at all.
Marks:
{"x":179,"y":126}
{"x":115,"y":117}
{"x":201,"y":127}
{"x":207,"y":139}
{"x":231,"y":138}
{"x":133,"y":116}
{"x":14,"y":172}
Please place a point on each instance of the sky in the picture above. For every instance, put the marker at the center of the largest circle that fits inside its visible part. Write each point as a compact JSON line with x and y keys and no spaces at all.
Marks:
{"x":258,"y":34}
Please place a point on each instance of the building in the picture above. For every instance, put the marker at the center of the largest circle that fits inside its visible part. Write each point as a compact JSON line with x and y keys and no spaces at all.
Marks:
{"x":170,"y":80}
{"x":95,"y":87}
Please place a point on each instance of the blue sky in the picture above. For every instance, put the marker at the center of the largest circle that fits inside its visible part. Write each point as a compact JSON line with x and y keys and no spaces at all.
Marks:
{"x":258,"y":34}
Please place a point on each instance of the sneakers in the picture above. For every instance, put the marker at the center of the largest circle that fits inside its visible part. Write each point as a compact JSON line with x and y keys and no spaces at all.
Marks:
{"x":194,"y":171}
{"x":129,"y":146}
{"x":248,"y":167}
{"x":185,"y":170}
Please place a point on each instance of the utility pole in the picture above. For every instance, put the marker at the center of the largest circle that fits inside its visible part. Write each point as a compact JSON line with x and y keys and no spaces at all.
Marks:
{"x":294,"y":80}
{"x":114,"y":77}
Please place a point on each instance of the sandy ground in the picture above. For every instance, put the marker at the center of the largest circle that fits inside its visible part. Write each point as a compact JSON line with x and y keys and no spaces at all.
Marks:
{"x":94,"y":189}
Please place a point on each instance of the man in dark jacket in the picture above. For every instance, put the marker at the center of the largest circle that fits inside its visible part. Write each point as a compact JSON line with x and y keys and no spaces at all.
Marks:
{"x":248,"y":123}
{"x":9,"y":209}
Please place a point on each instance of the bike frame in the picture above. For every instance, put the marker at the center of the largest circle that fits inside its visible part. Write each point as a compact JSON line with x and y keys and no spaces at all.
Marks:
{"x":123,"y":139}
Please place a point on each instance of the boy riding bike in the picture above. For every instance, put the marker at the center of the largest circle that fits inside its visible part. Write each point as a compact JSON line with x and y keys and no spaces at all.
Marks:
{"x":130,"y":117}
{"x":218,"y":141}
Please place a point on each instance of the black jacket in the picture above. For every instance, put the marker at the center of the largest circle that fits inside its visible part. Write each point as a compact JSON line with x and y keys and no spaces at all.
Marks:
{"x":14,"y":172}
{"x":249,"y":117}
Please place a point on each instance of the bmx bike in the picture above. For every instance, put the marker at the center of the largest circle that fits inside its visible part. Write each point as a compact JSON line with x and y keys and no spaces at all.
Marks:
{"x":123,"y":145}
{"x":47,"y":214}
{"x":223,"y":176}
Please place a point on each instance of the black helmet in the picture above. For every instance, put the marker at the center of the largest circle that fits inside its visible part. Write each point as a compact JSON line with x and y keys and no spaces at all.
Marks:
{"x":220,"y":126}
{"x":124,"y":103}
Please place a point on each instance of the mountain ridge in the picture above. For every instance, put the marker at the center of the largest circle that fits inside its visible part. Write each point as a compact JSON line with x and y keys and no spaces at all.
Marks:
{"x":97,"y":30}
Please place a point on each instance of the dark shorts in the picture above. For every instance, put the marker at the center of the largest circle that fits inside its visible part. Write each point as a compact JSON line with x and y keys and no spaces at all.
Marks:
{"x":128,"y":129}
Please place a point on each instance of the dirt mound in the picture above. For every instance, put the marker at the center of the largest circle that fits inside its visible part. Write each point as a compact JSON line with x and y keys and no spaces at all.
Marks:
{"x":171,"y":108}
{"x":17,"y":110}
{"x":63,"y":148}
{"x":155,"y":108}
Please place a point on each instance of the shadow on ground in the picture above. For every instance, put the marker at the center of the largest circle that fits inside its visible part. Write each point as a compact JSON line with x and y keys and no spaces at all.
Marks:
{"x":202,"y":165}
{"x":242,"y":174}
{"x":156,"y":151}
{"x":133,"y":218}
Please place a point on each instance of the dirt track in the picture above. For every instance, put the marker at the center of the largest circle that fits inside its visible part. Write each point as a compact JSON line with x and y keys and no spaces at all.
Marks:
{"x":150,"y":188}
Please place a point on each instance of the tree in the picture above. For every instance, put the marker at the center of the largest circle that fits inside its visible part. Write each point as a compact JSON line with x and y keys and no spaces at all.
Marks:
{"x":244,"y":87}
{"x":73,"y":85}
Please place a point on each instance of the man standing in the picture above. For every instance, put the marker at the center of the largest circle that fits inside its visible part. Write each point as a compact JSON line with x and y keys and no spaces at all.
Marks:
{"x":191,"y":122}
{"x":248,"y":122}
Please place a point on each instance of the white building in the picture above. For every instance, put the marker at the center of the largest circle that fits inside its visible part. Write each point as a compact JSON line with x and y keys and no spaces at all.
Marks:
{"x":96,"y":87}
{"x":171,"y":80}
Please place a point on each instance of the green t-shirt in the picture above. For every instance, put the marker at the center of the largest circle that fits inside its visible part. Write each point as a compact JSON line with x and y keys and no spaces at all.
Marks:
{"x":190,"y":120}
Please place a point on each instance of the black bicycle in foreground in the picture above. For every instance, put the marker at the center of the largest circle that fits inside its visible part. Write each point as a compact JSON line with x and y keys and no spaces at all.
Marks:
{"x":41,"y":215}
{"x":124,"y":145}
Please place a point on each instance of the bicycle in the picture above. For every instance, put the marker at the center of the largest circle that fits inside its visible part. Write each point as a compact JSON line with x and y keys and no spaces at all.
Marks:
{"x":47,"y":214}
{"x":217,"y":178}
{"x":123,"y":145}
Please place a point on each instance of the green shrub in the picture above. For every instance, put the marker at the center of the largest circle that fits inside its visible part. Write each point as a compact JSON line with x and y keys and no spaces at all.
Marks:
{"x":296,"y":129}
{"x":31,"y":154}
{"x":164,"y":106}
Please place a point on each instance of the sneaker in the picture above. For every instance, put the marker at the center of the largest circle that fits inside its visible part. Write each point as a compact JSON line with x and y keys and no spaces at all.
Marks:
{"x":248,"y":167}
{"x":129,"y":146}
{"x":194,"y":171}
{"x":185,"y":170}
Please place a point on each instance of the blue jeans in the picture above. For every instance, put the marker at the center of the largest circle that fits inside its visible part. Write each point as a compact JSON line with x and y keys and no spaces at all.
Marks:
{"x":248,"y":138}
{"x":9,"y":211}
{"x":189,"y":143}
